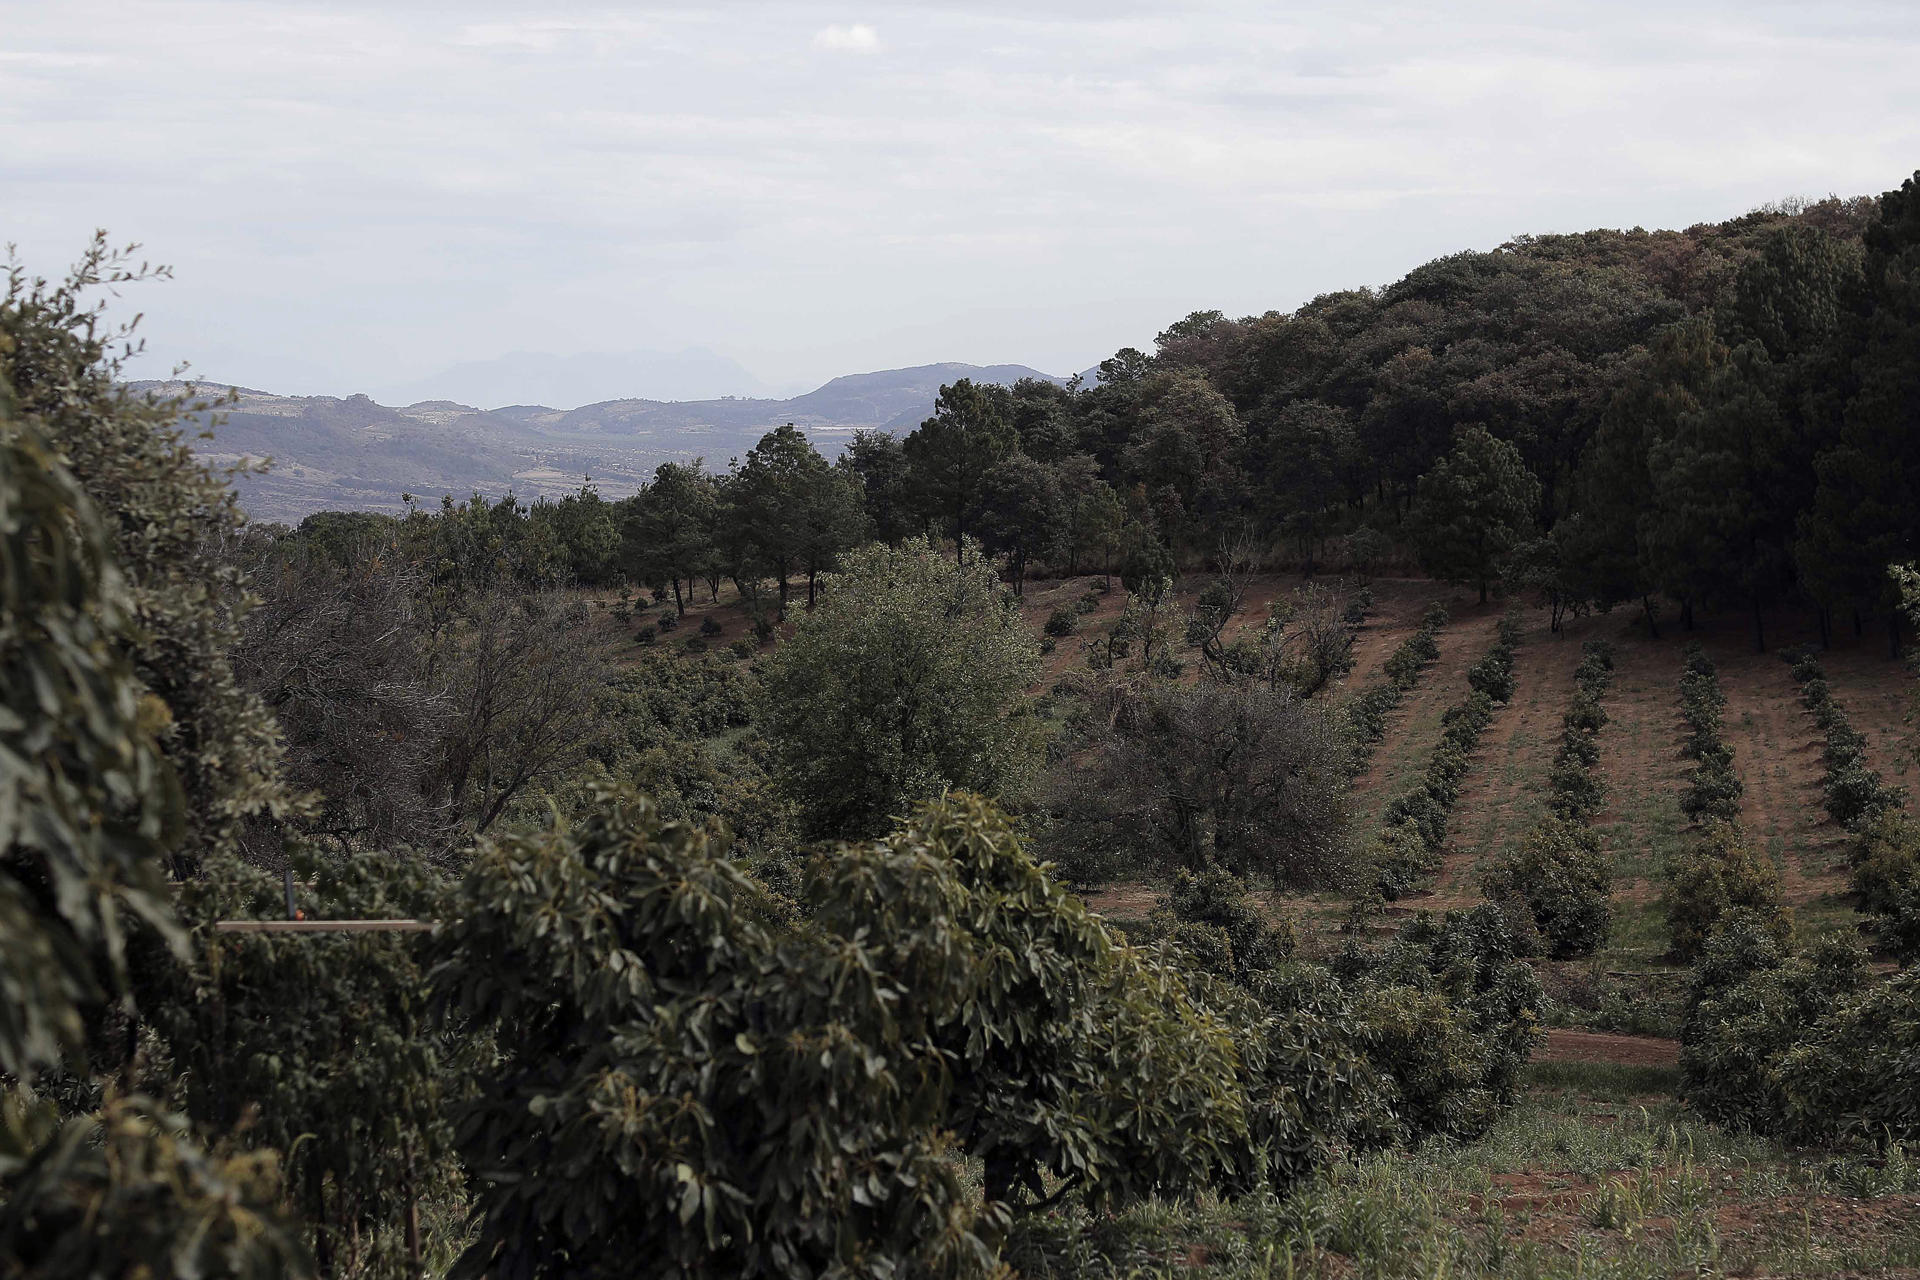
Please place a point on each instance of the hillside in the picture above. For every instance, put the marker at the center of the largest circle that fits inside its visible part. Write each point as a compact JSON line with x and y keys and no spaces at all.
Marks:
{"x":354,"y":454}
{"x":1776,"y":753}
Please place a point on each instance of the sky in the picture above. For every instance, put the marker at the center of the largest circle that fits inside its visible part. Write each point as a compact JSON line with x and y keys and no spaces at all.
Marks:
{"x":355,"y":196}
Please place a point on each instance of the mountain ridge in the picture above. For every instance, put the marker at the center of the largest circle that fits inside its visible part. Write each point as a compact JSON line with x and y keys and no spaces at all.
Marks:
{"x":355,"y":453}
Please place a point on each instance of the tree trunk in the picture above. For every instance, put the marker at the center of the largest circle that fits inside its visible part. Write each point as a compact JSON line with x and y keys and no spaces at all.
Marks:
{"x":813,"y":576}
{"x":1893,"y":633}
{"x":679,"y":607}
{"x":1686,"y":613}
{"x":1759,"y":628}
{"x":1483,"y":591}
{"x":1825,"y":620}
{"x":1653,"y":625}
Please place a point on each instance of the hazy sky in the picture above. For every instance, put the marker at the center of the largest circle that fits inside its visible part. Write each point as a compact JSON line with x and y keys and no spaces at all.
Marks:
{"x":354,"y":195}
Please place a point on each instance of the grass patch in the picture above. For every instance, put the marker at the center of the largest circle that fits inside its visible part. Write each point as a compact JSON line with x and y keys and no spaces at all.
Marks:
{"x":1606,"y":1081}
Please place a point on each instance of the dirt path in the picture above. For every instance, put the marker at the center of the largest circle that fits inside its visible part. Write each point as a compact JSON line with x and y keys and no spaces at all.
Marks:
{"x":1640,"y":821}
{"x":1414,"y":726}
{"x":1506,"y":790}
{"x":1397,"y":606}
{"x":1595,"y":1046}
{"x":1776,"y":752}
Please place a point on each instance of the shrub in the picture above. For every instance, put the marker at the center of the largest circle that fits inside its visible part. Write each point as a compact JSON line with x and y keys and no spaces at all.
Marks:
{"x":1218,"y":903}
{"x":1087,"y":603}
{"x":1713,"y":793}
{"x":1564,"y":880}
{"x":668,"y":1035}
{"x":1748,"y":1005}
{"x":1585,"y":715}
{"x":1493,"y":675}
{"x":1400,"y":857}
{"x":1856,"y":795}
{"x":1452,"y":1017}
{"x":695,"y":644}
{"x":710,"y":626}
{"x":1314,"y":1094}
{"x":742,"y":648}
{"x":1071,"y":1055}
{"x":1061,"y":622}
{"x":1852,"y":1077}
{"x":646,"y":635}
{"x":669,"y":620}
{"x":1720,"y":872}
{"x":1577,"y":791}
{"x":1886,"y":876}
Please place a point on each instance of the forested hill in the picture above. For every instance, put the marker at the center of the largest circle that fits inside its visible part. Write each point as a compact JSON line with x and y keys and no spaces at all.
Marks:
{"x":351,"y":453}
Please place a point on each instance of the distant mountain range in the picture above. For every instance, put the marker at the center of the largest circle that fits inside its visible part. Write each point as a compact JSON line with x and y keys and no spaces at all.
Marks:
{"x":522,"y":376}
{"x":354,"y":454}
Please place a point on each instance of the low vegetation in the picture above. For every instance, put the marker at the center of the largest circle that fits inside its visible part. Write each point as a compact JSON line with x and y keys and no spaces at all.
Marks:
{"x":1413,"y":830}
{"x":1556,"y":887}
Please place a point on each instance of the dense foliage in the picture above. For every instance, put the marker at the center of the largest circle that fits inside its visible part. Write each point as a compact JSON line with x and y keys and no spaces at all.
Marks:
{"x":1807,"y":1045}
{"x":906,"y":681}
{"x":89,"y":809}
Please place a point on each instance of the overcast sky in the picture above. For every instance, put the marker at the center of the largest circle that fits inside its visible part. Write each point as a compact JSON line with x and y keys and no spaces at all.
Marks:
{"x":354,"y":195}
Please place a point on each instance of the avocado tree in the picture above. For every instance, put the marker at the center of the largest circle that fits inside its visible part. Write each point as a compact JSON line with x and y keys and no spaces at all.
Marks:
{"x":906,"y":681}
{"x":89,"y":809}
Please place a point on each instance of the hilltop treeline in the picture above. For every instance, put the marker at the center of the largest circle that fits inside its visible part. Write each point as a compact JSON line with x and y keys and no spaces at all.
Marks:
{"x":1721,"y":417}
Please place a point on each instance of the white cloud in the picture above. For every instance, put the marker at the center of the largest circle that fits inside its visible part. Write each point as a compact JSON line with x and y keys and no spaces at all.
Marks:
{"x":857,"y":37}
{"x":392,"y":188}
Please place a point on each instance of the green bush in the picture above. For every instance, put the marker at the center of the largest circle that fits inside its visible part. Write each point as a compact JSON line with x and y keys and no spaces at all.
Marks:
{"x":669,"y":620}
{"x":1218,"y":901}
{"x":646,"y":635}
{"x":723,"y":1095}
{"x":1400,"y":857}
{"x":1853,"y":1077}
{"x":1886,"y":876}
{"x":1314,"y":1095}
{"x":695,"y":645}
{"x":1585,"y":716}
{"x":1749,"y":1003}
{"x":667,"y":1035}
{"x":1564,"y":880}
{"x":1713,"y":793}
{"x":1452,"y":1017}
{"x":1061,"y":622}
{"x":1493,"y":675}
{"x":710,"y":626}
{"x":1855,"y":795}
{"x":742,"y":648}
{"x":1720,"y":872}
{"x":1087,"y":603}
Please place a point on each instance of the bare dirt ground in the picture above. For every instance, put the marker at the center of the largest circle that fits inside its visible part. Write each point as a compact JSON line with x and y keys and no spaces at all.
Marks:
{"x":1414,"y":726}
{"x":1506,"y":790}
{"x":1595,"y":1046}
